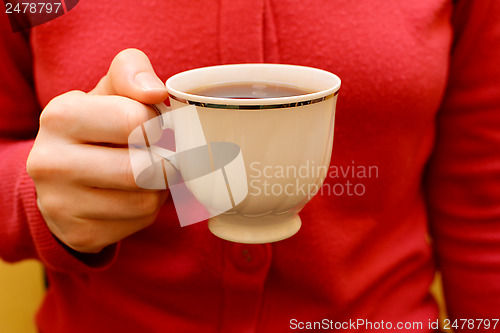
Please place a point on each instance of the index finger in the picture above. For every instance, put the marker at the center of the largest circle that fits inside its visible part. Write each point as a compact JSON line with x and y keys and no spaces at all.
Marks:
{"x":100,"y":119}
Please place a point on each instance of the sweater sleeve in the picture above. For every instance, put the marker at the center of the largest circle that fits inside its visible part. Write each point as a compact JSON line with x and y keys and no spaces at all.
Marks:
{"x":23,"y":232}
{"x":463,"y":181}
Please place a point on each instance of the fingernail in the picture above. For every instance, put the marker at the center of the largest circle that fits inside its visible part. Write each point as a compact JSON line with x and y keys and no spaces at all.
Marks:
{"x":148,"y":81}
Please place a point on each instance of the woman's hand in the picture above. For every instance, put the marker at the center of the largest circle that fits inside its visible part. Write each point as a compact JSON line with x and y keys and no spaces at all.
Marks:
{"x":80,"y":162}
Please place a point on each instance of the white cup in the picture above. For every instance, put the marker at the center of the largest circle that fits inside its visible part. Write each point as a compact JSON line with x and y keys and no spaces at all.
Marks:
{"x":253,"y":163}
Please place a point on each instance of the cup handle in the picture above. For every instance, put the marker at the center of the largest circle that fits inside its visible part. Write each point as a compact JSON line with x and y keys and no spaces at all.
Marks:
{"x":185,"y":124}
{"x":149,"y":148}
{"x":166,"y":123}
{"x":213,"y":178}
{"x":161,"y":109}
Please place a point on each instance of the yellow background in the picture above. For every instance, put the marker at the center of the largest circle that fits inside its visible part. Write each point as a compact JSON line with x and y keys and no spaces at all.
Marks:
{"x":21,"y":291}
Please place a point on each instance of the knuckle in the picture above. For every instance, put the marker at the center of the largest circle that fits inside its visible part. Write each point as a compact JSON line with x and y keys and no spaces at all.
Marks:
{"x":55,"y":112}
{"x":81,"y":235}
{"x":84,"y":242}
{"x":37,"y":166}
{"x":33,"y":166}
{"x":53,"y":207}
{"x":43,"y":163}
{"x":59,"y":111}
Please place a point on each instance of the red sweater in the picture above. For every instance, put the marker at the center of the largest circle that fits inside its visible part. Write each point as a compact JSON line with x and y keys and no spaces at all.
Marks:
{"x":416,"y":152}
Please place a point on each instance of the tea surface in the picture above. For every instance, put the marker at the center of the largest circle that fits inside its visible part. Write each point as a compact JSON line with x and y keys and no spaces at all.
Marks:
{"x":250,"y":90}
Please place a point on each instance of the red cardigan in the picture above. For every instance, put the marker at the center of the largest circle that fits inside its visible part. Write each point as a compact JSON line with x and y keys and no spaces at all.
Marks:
{"x":419,"y":112}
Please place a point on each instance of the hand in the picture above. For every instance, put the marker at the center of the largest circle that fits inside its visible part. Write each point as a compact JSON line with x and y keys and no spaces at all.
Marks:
{"x":80,"y":162}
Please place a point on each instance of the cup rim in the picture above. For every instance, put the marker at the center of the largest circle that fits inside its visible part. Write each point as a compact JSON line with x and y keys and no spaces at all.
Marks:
{"x":252,"y":103}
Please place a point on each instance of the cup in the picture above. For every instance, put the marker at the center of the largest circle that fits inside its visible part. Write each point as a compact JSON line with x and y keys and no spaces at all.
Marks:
{"x":252,"y":162}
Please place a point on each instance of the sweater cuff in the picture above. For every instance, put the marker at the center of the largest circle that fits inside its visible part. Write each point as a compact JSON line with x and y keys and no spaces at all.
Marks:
{"x":53,"y":253}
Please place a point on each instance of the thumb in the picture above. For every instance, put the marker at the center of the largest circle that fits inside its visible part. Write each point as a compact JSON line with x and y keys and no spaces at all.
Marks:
{"x":131,"y":75}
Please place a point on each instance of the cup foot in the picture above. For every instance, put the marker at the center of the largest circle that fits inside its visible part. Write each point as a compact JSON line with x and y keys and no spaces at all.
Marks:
{"x":254,"y":230}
